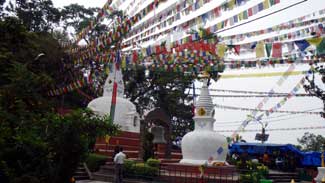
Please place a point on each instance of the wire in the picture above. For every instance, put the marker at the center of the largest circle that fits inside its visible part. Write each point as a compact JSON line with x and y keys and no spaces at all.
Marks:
{"x":270,"y":121}
{"x":255,"y":96}
{"x":282,"y":115}
{"x":261,"y":110}
{"x":261,"y":17}
{"x":277,"y":129}
{"x":242,"y":91}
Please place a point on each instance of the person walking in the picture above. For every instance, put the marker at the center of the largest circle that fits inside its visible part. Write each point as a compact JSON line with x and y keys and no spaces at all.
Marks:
{"x":119,"y":161}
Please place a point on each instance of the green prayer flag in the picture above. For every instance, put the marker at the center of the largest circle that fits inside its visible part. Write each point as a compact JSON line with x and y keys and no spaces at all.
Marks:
{"x":268,"y":48}
{"x":321,"y":48}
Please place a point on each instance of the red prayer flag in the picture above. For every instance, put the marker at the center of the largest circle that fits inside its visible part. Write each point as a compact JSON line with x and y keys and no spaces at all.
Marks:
{"x":277,"y":50}
{"x":237,"y":49}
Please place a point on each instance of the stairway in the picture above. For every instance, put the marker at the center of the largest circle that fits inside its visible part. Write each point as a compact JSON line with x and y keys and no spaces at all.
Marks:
{"x":131,"y":147}
{"x":81,"y":173}
{"x":106,"y":174}
{"x":128,"y":140}
{"x":282,"y":177}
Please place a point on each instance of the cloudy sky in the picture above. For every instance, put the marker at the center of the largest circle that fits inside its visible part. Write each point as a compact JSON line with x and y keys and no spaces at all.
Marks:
{"x":87,"y":3}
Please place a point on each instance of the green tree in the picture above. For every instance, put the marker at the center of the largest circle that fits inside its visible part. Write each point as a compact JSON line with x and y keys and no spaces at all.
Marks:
{"x":77,"y":16}
{"x":167,"y":90}
{"x":312,"y":142}
{"x":36,"y":15}
{"x":38,"y":145}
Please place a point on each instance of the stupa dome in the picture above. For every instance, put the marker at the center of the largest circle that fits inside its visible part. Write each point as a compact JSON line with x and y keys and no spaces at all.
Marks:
{"x":125,"y":111}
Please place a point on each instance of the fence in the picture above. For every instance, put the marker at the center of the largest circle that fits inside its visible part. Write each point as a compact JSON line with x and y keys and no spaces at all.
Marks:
{"x":190,"y":174}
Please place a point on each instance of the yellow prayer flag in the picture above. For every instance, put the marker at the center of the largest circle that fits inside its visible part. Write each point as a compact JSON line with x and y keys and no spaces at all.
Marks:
{"x":225,"y":145}
{"x":201,"y":33}
{"x":241,"y":16}
{"x":144,"y":51}
{"x":107,"y":138}
{"x":266,"y":4}
{"x":221,"y":50}
{"x":315,"y":41}
{"x":231,"y":4}
{"x":219,"y":25}
{"x":260,"y":50}
{"x":107,"y":70}
{"x":123,"y":62}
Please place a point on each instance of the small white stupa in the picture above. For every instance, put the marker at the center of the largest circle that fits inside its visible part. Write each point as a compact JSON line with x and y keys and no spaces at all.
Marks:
{"x":125,"y":111}
{"x":203,"y":145}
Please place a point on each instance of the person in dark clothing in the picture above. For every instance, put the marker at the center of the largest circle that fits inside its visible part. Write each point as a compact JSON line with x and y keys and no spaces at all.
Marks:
{"x":116,"y":150}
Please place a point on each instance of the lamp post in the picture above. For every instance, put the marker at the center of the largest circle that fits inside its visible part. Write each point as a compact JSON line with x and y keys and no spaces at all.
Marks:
{"x":311,"y":87}
{"x":263,"y":137}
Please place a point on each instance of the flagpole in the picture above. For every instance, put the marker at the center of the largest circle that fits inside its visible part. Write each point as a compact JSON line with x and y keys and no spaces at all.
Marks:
{"x":113,"y":101}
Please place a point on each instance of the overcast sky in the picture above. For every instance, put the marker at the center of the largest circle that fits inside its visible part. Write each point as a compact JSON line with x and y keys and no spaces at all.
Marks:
{"x":86,"y":3}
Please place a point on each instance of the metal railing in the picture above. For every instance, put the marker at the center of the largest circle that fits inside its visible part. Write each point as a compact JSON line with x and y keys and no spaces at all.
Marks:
{"x":174,"y":174}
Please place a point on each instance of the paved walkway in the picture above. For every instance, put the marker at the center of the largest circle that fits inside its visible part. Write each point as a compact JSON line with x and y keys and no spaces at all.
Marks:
{"x":91,"y":181}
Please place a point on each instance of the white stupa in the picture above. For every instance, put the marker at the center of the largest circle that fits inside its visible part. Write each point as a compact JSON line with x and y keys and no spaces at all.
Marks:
{"x":125,"y":111}
{"x":203,"y":145}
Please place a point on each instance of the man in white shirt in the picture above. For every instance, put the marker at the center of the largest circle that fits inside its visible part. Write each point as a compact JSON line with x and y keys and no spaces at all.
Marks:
{"x":119,"y":161}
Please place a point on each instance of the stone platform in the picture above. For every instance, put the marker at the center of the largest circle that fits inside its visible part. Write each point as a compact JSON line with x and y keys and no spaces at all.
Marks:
{"x":179,"y":172}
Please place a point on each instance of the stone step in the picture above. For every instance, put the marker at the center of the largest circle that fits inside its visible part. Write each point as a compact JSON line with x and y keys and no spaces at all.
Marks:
{"x":110,"y":153}
{"x":110,"y":169}
{"x":80,"y":173}
{"x":103,"y":177}
{"x":163,"y":160}
{"x":110,"y":178}
{"x":120,"y":141}
{"x":110,"y":159}
{"x":173,"y":155}
{"x":112,"y":147}
{"x":81,"y":177}
{"x":81,"y":168}
{"x":129,"y":135}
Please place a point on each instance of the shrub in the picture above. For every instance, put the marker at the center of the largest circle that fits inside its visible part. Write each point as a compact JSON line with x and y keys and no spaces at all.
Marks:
{"x":153,"y":162}
{"x":94,"y":161}
{"x":129,"y":167}
{"x":263,"y":170}
{"x":143,"y":169}
{"x":252,"y":171}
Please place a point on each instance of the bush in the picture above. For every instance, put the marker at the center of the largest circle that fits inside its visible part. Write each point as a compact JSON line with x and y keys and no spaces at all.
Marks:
{"x":131,"y":168}
{"x":26,"y":179}
{"x":153,"y":162}
{"x":263,"y":170}
{"x":252,"y":171}
{"x":143,"y":169}
{"x":94,"y":161}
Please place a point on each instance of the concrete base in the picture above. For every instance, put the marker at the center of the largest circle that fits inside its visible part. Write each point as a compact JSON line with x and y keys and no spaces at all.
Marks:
{"x":198,"y":162}
{"x":320,"y":175}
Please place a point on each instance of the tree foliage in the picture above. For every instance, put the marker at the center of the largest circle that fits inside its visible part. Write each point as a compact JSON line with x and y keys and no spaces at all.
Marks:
{"x":312,"y":142}
{"x":37,"y":144}
{"x":36,"y":15}
{"x":77,"y":16}
{"x":166,"y":90}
